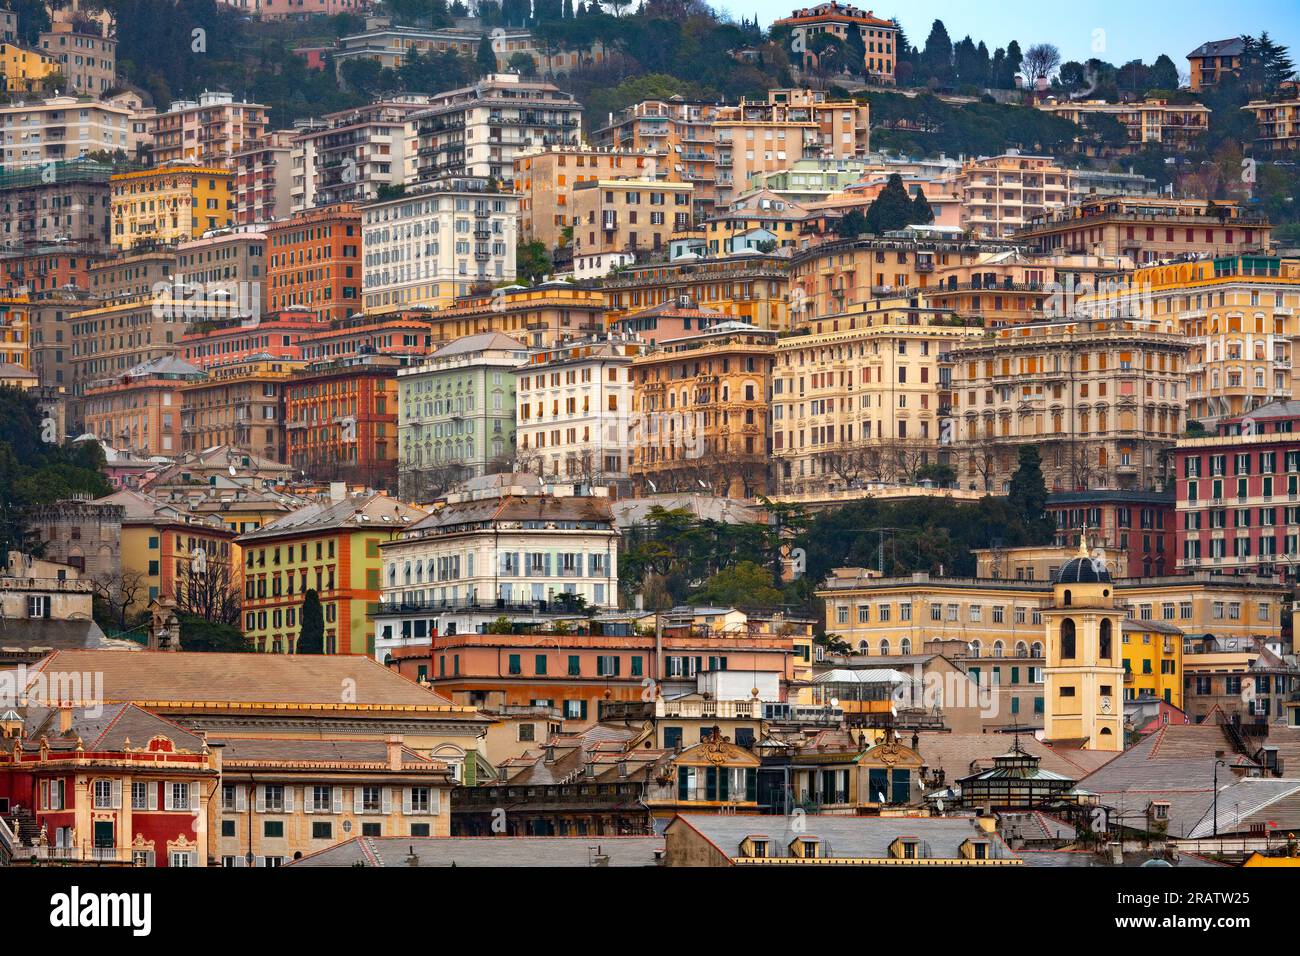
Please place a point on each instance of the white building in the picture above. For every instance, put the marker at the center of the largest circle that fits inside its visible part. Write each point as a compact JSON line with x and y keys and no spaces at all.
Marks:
{"x":434,"y":244}
{"x":506,"y":546}
{"x":349,"y":156}
{"x":477,"y":130}
{"x":65,"y":127}
{"x":574,"y":408}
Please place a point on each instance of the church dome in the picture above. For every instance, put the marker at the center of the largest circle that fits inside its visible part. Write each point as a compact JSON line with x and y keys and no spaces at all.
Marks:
{"x":1082,"y":570}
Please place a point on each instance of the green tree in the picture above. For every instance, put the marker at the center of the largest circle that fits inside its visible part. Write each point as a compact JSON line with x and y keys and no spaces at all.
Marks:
{"x":532,"y":260}
{"x":892,"y":209}
{"x":936,"y":57}
{"x":311,"y":619}
{"x":851,"y":224}
{"x":921,"y":212}
{"x":486,"y":58}
{"x":1028,"y":495}
{"x":201,"y":635}
{"x":1163,"y":74}
{"x":746,"y":585}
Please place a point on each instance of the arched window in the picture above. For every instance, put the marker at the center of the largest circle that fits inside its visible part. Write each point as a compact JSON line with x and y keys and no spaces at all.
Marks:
{"x":884,"y":648}
{"x":1036,"y":649}
{"x":1067,"y":599}
{"x":1104,"y":650}
{"x":406,"y":573}
{"x":1022,"y":649}
{"x":998,"y":648}
{"x":905,"y":646}
{"x":864,"y":648}
{"x":1067,"y":639}
{"x":976,"y":648}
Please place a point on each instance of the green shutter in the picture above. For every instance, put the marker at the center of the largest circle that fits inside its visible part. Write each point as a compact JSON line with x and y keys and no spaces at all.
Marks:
{"x":751,"y":784}
{"x":711,"y":783}
{"x":683,"y":783}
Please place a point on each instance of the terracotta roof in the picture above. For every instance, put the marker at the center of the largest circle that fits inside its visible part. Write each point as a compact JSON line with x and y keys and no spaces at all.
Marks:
{"x":112,"y":727}
{"x":190,"y":678}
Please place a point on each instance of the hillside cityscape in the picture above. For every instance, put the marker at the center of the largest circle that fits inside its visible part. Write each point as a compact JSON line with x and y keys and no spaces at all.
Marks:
{"x":509,"y":434}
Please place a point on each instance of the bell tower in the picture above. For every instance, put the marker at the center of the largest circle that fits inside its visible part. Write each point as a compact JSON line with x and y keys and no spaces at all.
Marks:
{"x":1083,"y":680}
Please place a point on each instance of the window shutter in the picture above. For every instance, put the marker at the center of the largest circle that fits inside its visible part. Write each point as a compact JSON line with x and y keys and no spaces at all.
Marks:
{"x":241,"y":800}
{"x":195,"y":789}
{"x":152,"y":789}
{"x":240,"y":861}
{"x":338,"y":799}
{"x":406,"y":800}
{"x":116,"y":799}
{"x":308,"y":799}
{"x":261,"y":798}
{"x":617,"y":660}
{"x":288,"y":799}
{"x":386,"y":800}
{"x":358,"y":799}
{"x":751,"y":784}
{"x":683,"y":784}
{"x":519,"y":567}
{"x":547,"y":559}
{"x":724,"y":783}
{"x":435,"y":801}
{"x":583,"y":712}
{"x":711,"y":783}
{"x":167,"y":797}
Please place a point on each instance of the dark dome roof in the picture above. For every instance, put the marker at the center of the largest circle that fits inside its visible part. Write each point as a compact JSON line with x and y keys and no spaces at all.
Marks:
{"x":1082,"y":571}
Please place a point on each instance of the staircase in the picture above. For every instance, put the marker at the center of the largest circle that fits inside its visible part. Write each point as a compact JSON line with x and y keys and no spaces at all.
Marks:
{"x":22,"y":823}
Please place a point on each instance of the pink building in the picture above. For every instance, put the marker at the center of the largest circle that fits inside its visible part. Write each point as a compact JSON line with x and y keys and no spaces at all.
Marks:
{"x":276,"y":335}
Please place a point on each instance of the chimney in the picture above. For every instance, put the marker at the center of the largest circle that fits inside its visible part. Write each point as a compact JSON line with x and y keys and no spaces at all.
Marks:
{"x":65,"y":718}
{"x":338,"y":490}
{"x":600,"y":857}
{"x":394,"y":744}
{"x":1116,"y":853}
{"x":411,"y":858}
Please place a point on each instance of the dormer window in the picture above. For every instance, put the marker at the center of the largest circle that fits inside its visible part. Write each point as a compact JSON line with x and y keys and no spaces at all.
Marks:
{"x":755,"y":847}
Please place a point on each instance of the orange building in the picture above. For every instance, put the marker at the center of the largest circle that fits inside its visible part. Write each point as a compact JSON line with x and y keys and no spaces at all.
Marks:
{"x":314,"y":260}
{"x":15,"y":332}
{"x":341,"y":420}
{"x":140,"y":412}
{"x":840,"y":20}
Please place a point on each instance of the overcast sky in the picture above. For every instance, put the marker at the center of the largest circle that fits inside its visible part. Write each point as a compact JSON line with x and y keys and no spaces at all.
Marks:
{"x":1124,"y":29}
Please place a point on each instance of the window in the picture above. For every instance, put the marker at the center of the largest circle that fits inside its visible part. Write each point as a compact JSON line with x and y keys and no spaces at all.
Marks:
{"x":104,"y":795}
{"x":322,"y":830}
{"x":139,"y":796}
{"x":273,"y":829}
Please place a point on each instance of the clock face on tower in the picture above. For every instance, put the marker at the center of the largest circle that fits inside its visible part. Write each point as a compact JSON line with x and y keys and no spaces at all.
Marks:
{"x":1105,"y":705}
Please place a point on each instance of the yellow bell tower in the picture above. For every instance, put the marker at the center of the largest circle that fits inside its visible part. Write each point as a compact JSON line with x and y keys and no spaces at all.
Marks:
{"x":1083,"y":680}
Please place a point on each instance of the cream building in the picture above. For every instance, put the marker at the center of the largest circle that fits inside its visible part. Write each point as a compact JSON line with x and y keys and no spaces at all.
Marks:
{"x":432,"y":245}
{"x":628,"y":215}
{"x":1000,"y":194}
{"x":862,"y":396}
{"x":65,"y":127}
{"x":574,"y":410}
{"x":1102,"y":400}
{"x":211,"y":129}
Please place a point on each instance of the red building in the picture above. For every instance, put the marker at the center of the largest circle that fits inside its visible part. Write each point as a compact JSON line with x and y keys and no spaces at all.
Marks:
{"x":277,"y":335}
{"x":110,"y":785}
{"x":53,"y":267}
{"x":1139,"y":523}
{"x":314,"y":260}
{"x":1238,"y":494}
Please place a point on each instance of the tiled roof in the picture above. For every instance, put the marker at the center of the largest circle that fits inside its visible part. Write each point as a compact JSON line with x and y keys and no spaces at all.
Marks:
{"x":1230,"y":47}
{"x":111,"y":728}
{"x":316,"y":679}
{"x":481,"y":342}
{"x":278,"y":750}
{"x":377,"y":512}
{"x":578,"y":851}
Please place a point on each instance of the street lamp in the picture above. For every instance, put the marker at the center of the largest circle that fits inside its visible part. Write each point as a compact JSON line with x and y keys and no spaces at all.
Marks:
{"x":1215,"y":811}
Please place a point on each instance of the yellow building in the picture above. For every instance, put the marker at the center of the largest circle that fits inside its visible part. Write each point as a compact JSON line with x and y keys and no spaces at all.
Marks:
{"x":1102,"y":400}
{"x":700,"y":411}
{"x":545,"y":177}
{"x":25,"y":70}
{"x":1238,"y":314}
{"x":748,"y":288}
{"x":1082,"y":673}
{"x":1176,"y":126}
{"x":1277,"y":125}
{"x":241,"y":405}
{"x":628,"y":215}
{"x":15,"y":331}
{"x":331,"y":548}
{"x":170,"y":204}
{"x":1152,"y":655}
{"x":861,"y":397}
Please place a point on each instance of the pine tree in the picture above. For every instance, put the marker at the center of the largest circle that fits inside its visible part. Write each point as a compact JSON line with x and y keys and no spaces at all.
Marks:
{"x":311,"y":618}
{"x":922,"y":214}
{"x":936,"y":58}
{"x":486,"y":57}
{"x":892,"y":209}
{"x":1028,"y":494}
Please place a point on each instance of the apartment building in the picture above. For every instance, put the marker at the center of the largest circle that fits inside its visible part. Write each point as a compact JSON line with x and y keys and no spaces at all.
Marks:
{"x":210,"y":130}
{"x":573,"y":416}
{"x":545,"y":177}
{"x":504,"y":544}
{"x":278,"y":336}
{"x":436,"y":243}
{"x":862,"y":396}
{"x":140,"y":411}
{"x":26,"y":69}
{"x":86,"y":56}
{"x":701,"y":408}
{"x":15,"y":332}
{"x":1102,"y":400}
{"x":456,"y":413}
{"x":131,"y":274}
{"x":1147,"y":229}
{"x":314,"y":261}
{"x":240,"y":405}
{"x":841,"y":20}
{"x":628,"y":215}
{"x":539,"y":316}
{"x":1235,"y":488}
{"x":49,"y":321}
{"x":355,"y":155}
{"x":478,"y":130}
{"x":264,"y":179}
{"x":65,"y":127}
{"x":170,"y":203}
{"x":340,"y":419}
{"x":1277,"y":125}
{"x":1173,"y":126}
{"x":405,"y":335}
{"x":332,"y":548}
{"x":1238,"y":315}
{"x":1136,"y":526}
{"x":229,"y":266}
{"x":108,"y":341}
{"x":751,"y":289}
{"x":758,"y":221}
{"x":66,"y":202}
{"x":1001,"y":194}
{"x":1213,"y":61}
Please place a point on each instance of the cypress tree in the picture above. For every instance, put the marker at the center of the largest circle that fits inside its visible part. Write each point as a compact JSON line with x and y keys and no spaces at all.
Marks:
{"x":311,"y":618}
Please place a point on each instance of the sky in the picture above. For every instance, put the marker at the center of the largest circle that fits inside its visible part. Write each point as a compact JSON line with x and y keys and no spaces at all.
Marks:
{"x":1124,"y":29}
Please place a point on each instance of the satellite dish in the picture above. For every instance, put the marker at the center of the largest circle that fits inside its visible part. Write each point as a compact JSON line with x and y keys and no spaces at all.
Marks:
{"x":232,"y":471}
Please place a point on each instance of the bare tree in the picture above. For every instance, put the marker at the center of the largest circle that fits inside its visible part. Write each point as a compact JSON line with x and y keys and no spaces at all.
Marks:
{"x":209,"y":592}
{"x":117,"y":592}
{"x":425,"y":484}
{"x":1040,"y":62}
